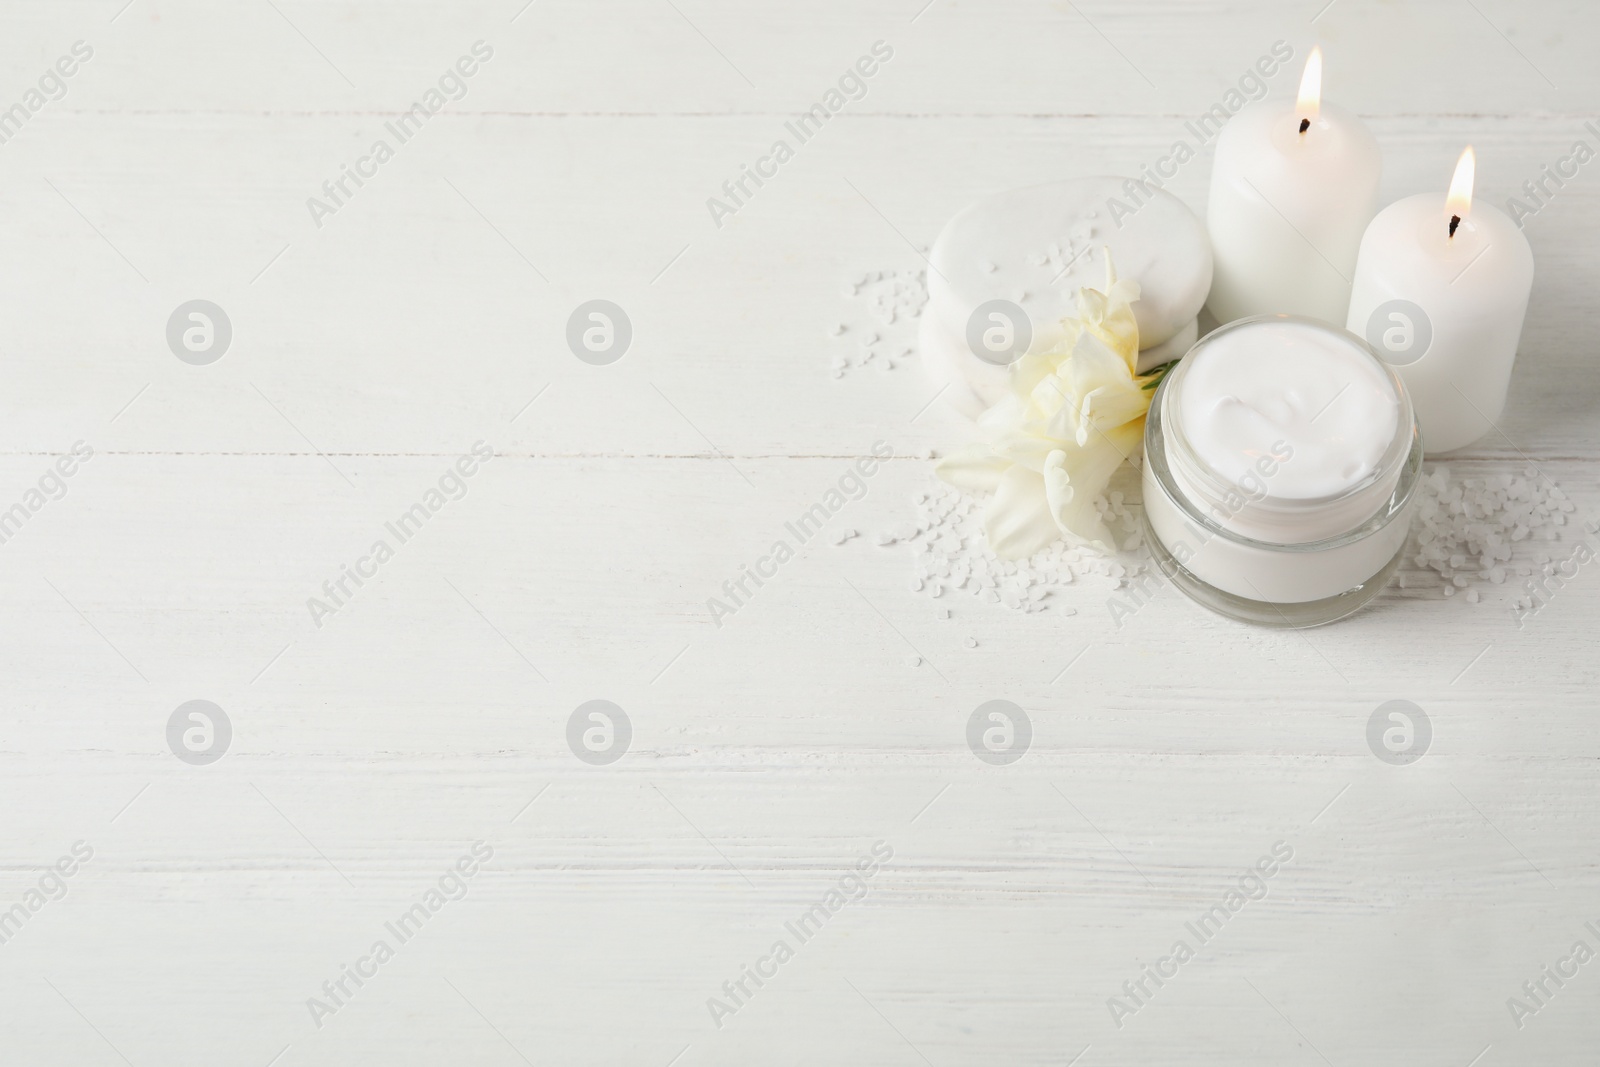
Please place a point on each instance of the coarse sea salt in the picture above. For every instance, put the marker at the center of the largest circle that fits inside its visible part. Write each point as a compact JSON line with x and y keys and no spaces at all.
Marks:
{"x":894,"y":299}
{"x":1474,"y":533}
{"x":950,"y":554}
{"x":1470,"y":535}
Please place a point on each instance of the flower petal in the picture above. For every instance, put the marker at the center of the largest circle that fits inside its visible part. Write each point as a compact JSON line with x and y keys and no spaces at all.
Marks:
{"x":974,"y":469}
{"x":1112,"y":406}
{"x":1017,"y":521}
{"x":1094,"y":365}
{"x":1026,"y":446}
{"x":1075,"y":480}
{"x":1113,"y":320}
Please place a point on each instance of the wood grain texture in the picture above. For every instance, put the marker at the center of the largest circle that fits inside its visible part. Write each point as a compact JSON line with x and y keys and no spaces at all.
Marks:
{"x":769,"y":753}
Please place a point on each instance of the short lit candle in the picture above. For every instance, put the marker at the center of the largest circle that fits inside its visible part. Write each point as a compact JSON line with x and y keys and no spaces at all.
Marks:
{"x":1441,"y":291}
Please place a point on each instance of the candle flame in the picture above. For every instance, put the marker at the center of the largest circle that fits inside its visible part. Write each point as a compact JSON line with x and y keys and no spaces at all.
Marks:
{"x":1309,"y":104}
{"x":1458,"y":204}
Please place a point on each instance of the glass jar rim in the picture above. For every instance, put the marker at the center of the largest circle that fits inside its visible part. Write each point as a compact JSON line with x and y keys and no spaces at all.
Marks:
{"x":1201,"y":484}
{"x":1400,"y":466}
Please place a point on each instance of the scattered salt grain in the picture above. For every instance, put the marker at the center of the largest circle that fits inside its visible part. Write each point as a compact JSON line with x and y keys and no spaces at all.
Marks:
{"x":950,"y":548}
{"x":894,"y":299}
{"x":1467,"y":528}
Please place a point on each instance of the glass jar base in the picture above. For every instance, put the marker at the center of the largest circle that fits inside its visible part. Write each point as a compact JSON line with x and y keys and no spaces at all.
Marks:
{"x":1263,"y":613}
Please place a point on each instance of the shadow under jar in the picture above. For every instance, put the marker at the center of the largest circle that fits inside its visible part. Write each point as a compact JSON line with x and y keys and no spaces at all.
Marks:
{"x":1281,"y":459}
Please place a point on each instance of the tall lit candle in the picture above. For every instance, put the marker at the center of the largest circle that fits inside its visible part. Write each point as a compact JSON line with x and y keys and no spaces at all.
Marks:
{"x":1292,"y":189}
{"x":1441,"y":291}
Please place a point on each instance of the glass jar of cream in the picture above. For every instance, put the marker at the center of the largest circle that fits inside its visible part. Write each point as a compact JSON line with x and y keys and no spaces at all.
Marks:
{"x":1281,"y":460}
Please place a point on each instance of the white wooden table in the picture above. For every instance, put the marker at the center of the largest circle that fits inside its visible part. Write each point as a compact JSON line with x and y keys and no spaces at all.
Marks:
{"x":767,"y":755}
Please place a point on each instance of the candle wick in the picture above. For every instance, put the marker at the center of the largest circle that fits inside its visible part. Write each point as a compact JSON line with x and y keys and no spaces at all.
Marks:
{"x":1305,"y":124}
{"x":1455,"y":220}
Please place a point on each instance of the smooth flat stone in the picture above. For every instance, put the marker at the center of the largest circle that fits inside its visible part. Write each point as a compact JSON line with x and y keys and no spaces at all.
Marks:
{"x":969,"y":384}
{"x":1046,"y":241}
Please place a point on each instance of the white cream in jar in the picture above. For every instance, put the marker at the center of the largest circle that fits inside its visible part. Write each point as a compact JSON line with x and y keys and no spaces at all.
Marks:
{"x":1280,"y":456}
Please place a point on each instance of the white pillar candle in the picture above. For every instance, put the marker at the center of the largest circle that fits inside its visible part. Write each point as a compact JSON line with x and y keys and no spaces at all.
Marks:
{"x":1441,"y":290}
{"x":1292,"y":189}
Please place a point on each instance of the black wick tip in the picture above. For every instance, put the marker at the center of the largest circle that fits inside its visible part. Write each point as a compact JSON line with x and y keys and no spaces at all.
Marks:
{"x":1455,"y":220}
{"x":1305,"y":124}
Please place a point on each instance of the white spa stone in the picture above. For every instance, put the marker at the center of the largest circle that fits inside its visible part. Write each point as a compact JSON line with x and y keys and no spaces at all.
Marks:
{"x":1019,"y":242}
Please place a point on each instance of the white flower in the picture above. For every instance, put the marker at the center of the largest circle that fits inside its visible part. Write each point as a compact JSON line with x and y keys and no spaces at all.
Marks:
{"x":1069,"y":418}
